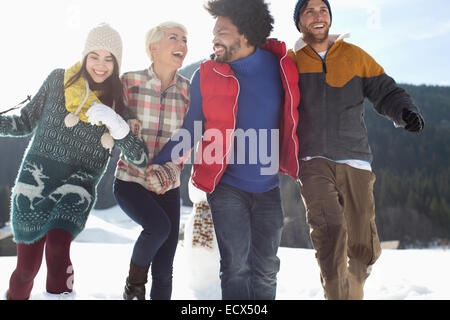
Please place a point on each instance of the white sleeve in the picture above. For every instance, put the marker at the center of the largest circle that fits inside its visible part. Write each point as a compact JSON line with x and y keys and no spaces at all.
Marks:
{"x":196,"y":195}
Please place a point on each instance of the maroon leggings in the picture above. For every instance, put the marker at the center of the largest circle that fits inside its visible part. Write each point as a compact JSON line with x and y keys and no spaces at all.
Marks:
{"x":29,"y":259}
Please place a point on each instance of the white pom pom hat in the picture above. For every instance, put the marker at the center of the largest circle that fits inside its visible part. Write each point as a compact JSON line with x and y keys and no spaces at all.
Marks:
{"x":103,"y":37}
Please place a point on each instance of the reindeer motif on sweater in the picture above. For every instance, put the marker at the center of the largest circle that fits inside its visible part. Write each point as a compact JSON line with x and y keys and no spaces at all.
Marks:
{"x":69,"y":188}
{"x":35,"y":192}
{"x":29,"y":191}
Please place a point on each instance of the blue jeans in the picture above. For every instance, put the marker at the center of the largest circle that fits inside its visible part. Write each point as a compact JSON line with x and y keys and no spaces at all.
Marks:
{"x":159,"y":216}
{"x":248,"y":228}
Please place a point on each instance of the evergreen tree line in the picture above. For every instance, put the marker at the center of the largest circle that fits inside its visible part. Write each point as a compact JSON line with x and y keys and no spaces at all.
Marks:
{"x":412,"y":192}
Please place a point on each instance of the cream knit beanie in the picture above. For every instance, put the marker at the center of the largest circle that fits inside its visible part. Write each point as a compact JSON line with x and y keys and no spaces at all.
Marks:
{"x":103,"y":37}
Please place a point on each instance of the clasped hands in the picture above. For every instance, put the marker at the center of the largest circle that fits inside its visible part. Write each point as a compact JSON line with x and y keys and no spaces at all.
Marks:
{"x":162,"y":178}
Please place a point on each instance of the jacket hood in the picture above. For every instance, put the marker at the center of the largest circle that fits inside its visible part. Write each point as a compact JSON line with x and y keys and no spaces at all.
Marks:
{"x":300,"y":43}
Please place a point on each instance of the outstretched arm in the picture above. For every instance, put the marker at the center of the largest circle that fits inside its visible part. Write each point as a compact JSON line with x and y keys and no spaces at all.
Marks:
{"x":24,"y":124}
{"x":389,"y":99}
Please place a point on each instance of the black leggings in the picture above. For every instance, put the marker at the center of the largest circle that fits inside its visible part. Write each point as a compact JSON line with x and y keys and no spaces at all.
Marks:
{"x":159,"y":216}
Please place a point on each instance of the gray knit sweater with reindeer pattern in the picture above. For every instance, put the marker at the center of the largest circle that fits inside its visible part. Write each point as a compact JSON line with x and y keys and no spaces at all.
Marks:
{"x":57,"y":181}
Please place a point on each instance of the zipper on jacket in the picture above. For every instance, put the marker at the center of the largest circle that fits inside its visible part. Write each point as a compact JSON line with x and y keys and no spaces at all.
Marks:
{"x":324,"y":59}
{"x":324,"y":97}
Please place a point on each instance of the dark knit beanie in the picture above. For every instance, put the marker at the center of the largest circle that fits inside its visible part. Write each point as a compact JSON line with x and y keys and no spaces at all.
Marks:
{"x":298,"y":7}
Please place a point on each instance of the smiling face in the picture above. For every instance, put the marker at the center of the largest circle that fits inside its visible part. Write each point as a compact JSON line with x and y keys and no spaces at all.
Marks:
{"x":171,"y":50}
{"x":314,"y":22}
{"x":229,"y":45}
{"x":100,"y":65}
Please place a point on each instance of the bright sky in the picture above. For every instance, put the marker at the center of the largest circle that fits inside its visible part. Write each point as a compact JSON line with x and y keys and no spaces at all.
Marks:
{"x":409,"y":38}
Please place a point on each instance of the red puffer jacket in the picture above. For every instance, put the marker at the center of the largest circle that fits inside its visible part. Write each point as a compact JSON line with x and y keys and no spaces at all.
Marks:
{"x":220,"y":93}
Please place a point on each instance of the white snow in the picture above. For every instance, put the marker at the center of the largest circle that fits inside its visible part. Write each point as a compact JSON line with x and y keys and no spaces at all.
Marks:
{"x":101,"y":255}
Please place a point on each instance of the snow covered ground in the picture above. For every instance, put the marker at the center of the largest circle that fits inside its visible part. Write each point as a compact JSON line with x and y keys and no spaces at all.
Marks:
{"x":101,"y":256}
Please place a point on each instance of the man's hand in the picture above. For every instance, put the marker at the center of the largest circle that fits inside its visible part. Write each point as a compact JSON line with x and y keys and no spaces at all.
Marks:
{"x":414,"y":121}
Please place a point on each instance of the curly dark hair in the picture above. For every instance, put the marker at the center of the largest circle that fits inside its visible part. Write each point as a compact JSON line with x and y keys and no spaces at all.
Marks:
{"x":251,"y":17}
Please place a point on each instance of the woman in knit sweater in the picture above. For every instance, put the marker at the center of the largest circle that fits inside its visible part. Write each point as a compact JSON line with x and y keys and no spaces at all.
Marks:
{"x":159,"y":98}
{"x":73,"y":130}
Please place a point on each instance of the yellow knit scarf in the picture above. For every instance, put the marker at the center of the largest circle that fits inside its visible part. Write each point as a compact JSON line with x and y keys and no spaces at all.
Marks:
{"x":79,"y":98}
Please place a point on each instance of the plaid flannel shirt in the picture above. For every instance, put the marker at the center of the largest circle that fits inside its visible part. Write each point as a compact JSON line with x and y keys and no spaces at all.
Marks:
{"x":155,"y":115}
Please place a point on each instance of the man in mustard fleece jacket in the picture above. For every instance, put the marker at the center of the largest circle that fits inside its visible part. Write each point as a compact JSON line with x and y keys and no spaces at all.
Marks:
{"x":336,"y":178}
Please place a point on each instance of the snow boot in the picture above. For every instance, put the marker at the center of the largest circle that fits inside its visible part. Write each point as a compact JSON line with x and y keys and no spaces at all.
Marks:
{"x":135,"y":283}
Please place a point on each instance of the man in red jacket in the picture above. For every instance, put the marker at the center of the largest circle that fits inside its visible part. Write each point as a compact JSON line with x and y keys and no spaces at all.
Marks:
{"x":245,"y":100}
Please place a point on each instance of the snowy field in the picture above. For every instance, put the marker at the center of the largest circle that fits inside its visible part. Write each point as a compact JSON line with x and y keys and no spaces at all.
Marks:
{"x":101,"y":256}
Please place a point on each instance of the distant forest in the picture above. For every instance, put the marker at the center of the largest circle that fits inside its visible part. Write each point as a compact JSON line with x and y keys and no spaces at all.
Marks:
{"x":412,"y":191}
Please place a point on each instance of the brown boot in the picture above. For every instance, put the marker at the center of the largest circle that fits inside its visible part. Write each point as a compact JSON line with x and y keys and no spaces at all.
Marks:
{"x":135,"y":283}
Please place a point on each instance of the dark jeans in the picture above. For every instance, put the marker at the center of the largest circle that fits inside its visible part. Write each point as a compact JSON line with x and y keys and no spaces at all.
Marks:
{"x":248,"y":228}
{"x":159,"y":216}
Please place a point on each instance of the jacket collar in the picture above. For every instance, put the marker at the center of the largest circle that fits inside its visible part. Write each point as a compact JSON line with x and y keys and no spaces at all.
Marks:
{"x":151,"y":76}
{"x":300,"y":44}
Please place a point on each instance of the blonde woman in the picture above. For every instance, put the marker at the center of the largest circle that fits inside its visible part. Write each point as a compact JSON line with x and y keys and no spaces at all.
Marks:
{"x":159,"y":99}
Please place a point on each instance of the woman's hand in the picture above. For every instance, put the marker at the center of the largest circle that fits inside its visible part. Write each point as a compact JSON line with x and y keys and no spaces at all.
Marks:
{"x":162,"y":178}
